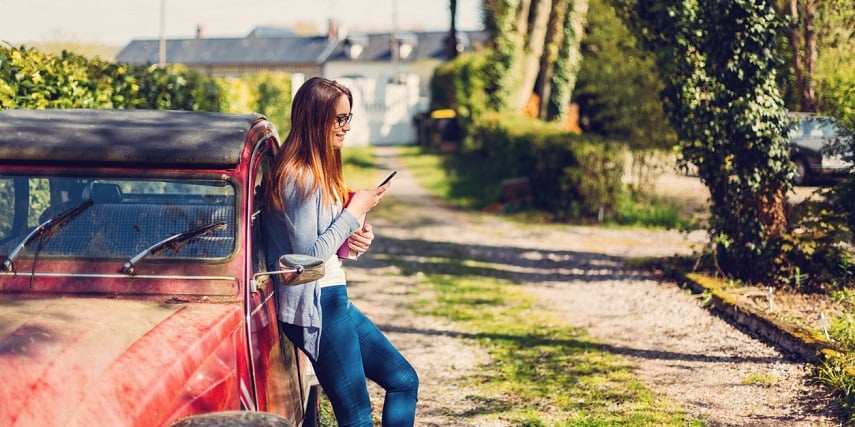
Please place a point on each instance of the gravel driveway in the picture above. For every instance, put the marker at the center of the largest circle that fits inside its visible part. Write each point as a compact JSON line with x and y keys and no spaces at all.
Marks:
{"x":682,"y":352}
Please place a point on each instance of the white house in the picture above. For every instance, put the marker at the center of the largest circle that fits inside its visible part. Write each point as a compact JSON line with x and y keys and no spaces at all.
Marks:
{"x":389,"y":73}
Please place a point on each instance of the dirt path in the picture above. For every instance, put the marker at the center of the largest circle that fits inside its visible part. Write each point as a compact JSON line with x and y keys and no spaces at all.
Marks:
{"x":682,"y":351}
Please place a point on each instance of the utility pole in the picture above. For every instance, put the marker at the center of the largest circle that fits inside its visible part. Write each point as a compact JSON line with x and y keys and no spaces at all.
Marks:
{"x":162,"y":46}
{"x":451,"y":38}
{"x":395,"y":45}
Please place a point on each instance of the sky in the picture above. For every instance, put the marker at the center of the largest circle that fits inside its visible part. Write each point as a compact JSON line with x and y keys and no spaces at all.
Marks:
{"x":117,"y":22}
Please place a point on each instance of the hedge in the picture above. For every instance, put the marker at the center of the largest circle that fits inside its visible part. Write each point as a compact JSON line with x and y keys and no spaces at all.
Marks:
{"x":571,"y":176}
{"x":35,"y":80}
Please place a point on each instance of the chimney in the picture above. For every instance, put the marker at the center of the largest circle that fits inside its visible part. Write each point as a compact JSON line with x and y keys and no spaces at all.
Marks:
{"x":198,"y":31}
{"x":332,"y":31}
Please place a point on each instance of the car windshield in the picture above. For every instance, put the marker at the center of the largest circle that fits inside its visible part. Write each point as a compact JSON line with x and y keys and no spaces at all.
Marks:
{"x":815,"y":127}
{"x":125,"y":216}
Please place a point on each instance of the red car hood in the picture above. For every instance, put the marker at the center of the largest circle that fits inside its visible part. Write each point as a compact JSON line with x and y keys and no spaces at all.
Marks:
{"x":94,"y":362}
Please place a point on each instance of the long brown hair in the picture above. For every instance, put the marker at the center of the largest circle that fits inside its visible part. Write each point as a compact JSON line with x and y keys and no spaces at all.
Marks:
{"x":307,"y":155}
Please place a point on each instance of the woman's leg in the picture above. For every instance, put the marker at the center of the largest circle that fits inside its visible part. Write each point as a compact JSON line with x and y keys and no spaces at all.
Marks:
{"x":339,"y":365}
{"x":385,"y":365}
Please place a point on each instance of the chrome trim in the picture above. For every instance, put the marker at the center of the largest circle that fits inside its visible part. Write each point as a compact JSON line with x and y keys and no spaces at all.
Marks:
{"x":116,"y":276}
{"x":263,"y":303}
{"x":245,"y":397}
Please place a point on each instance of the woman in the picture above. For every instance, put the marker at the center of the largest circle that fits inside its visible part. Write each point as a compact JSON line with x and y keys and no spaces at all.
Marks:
{"x":305,"y":215}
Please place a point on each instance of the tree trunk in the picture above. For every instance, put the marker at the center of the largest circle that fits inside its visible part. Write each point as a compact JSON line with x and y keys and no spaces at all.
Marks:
{"x":809,"y":101}
{"x":534,"y":46}
{"x":554,"y":38}
{"x":510,"y":81}
{"x":569,"y":59}
{"x":803,"y":46}
{"x":522,"y":18}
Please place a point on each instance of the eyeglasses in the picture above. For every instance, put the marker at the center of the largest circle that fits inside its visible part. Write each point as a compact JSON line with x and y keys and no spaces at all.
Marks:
{"x":343,"y":119}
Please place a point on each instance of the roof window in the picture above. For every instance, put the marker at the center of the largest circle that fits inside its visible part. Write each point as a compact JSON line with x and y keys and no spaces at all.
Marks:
{"x":354,"y":45}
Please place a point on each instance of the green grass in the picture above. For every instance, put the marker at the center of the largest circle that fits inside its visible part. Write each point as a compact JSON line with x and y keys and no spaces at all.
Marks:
{"x":430,"y":172}
{"x":542,"y":372}
{"x":653,"y":212}
{"x":759,"y":379}
{"x":360,"y":167}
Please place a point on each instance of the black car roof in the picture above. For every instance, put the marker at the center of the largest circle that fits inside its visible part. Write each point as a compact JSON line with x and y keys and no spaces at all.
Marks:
{"x":140,"y":137}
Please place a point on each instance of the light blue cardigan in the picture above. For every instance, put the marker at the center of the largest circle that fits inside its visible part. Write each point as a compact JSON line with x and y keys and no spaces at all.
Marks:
{"x":310,"y":228}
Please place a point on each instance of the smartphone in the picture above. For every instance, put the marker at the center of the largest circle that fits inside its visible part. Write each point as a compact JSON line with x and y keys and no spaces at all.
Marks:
{"x":388,"y":178}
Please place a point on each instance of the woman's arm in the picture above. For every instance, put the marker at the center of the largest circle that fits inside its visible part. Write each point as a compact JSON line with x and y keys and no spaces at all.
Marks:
{"x":313,"y":230}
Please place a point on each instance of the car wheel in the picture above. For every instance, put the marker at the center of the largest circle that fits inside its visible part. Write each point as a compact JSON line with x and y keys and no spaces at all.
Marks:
{"x":802,"y":176}
{"x":313,"y":409}
{"x":234,"y":419}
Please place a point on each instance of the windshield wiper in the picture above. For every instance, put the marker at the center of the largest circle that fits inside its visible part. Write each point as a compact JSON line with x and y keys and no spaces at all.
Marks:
{"x":44,"y":229}
{"x":173,"y":242}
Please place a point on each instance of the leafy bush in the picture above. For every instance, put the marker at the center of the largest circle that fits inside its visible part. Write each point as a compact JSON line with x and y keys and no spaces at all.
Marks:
{"x":461,"y":85}
{"x":271,"y":95}
{"x":35,"y":80}
{"x":31,"y":79}
{"x":835,"y":68}
{"x":266,"y":93}
{"x":571,"y":176}
{"x":816,"y":261}
{"x":618,"y":87}
{"x":177,"y":88}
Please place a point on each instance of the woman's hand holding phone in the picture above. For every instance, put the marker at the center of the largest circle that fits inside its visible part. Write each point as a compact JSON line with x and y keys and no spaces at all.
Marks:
{"x":363,"y":201}
{"x":388,"y":178}
{"x":359,"y":203}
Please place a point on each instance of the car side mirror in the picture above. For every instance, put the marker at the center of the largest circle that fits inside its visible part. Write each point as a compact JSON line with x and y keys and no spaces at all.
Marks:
{"x":297,"y":269}
{"x":294,"y":269}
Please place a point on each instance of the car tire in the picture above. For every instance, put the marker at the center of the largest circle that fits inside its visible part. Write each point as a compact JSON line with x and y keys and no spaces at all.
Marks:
{"x":313,"y":408}
{"x":802,"y":176}
{"x":234,"y":419}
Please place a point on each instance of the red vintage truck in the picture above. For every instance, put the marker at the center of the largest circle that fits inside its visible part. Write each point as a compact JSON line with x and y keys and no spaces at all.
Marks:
{"x":133,"y":286}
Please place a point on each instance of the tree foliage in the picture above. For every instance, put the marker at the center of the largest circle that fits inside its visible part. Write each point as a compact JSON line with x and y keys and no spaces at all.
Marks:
{"x":718,"y":59}
{"x":536,"y":54}
{"x":819,"y":49}
{"x":835,"y":66}
{"x":618,"y":85}
{"x":801,"y":33}
{"x":267,"y":93}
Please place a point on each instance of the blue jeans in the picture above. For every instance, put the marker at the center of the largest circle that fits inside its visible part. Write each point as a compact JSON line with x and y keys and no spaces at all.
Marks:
{"x":352,"y":349}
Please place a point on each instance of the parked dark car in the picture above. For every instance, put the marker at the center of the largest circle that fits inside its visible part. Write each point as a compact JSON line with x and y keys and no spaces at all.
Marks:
{"x":819,"y":147}
{"x":133,"y":284}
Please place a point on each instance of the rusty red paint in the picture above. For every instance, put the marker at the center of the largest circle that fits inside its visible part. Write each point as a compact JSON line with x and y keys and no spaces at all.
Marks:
{"x":83,"y":344}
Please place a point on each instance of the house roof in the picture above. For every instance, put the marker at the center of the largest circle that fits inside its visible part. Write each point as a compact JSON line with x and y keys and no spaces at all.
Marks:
{"x":291,"y":49}
{"x":220,"y":51}
{"x":425,"y":45}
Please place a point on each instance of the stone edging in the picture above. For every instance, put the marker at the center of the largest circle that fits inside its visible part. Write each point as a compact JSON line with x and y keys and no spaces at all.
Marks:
{"x":799,"y":342}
